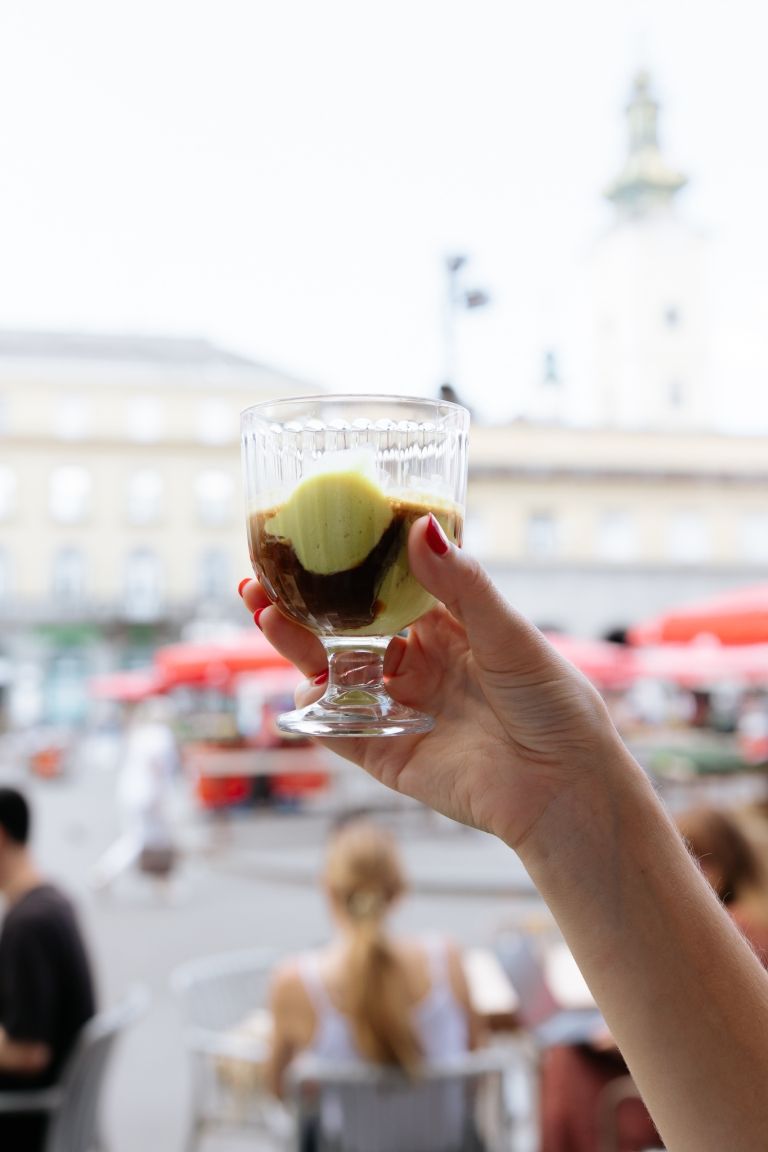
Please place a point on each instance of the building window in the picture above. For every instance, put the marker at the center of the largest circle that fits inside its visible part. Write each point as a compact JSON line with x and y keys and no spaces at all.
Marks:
{"x":145,"y":496}
{"x":69,"y":493}
{"x":676,"y":394}
{"x":616,"y":536}
{"x":68,"y":576}
{"x":145,"y":419}
{"x":215,"y":492}
{"x":5,"y":575}
{"x":8,"y":489}
{"x":688,"y":537}
{"x":215,"y":576}
{"x":142,"y":585}
{"x":216,"y":422}
{"x":542,"y":536}
{"x":476,"y":534}
{"x":754,"y":537}
{"x":71,"y":417}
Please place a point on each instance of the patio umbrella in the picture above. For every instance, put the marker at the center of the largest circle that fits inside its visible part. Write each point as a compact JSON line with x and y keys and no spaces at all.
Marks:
{"x":701,"y":665}
{"x":129,"y":686}
{"x":216,"y":664}
{"x":737,"y":617}
{"x":607,"y":665}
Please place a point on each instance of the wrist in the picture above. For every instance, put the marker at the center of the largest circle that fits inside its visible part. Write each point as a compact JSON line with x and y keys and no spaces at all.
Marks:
{"x":580,"y":829}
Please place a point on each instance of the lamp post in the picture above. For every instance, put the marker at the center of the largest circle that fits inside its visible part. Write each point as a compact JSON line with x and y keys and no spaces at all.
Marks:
{"x":457,"y":299}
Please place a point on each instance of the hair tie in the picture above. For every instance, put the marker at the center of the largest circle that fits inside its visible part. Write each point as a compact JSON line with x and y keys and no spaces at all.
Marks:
{"x":365,"y":904}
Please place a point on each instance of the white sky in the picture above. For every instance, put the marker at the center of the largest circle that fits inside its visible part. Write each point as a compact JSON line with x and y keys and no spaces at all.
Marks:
{"x":286,"y":177}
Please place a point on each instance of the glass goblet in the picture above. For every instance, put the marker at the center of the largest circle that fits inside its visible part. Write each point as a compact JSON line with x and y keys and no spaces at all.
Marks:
{"x":333,"y":485}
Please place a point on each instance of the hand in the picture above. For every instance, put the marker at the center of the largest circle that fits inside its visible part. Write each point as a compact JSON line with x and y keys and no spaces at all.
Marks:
{"x":516,"y":726}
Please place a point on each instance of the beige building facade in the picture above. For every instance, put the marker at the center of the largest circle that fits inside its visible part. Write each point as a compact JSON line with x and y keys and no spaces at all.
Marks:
{"x":591,"y":530}
{"x":120,"y":484}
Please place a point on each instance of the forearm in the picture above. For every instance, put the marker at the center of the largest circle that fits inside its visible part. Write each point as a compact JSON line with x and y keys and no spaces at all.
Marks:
{"x":22,"y":1057}
{"x":681,"y":991}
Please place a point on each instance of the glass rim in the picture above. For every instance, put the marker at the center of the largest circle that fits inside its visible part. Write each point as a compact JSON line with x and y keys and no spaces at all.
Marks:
{"x":351,"y":397}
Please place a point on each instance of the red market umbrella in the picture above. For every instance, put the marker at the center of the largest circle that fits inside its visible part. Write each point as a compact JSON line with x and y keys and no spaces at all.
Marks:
{"x":130,"y":686}
{"x":607,"y":665}
{"x":737,"y":617}
{"x":217,"y":664}
{"x":699,"y":665}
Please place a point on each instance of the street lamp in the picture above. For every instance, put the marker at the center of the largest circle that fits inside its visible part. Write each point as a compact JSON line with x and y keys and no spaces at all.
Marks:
{"x":457,"y":299}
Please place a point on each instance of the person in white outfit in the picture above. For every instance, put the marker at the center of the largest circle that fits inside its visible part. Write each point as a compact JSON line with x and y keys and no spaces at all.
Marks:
{"x":149,"y":762}
{"x":372,"y":997}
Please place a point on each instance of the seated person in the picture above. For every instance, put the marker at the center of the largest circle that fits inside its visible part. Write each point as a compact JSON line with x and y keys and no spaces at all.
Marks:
{"x":574,"y":1076}
{"x":46,"y":990}
{"x":371,"y":997}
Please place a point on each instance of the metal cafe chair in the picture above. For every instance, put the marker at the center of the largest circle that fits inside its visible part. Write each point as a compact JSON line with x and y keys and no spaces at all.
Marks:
{"x":457,"y":1106}
{"x":217,"y":995}
{"x":613,"y":1095}
{"x":73,"y":1103}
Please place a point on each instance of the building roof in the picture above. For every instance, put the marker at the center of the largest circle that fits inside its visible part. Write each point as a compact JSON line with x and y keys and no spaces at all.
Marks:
{"x":173,"y":351}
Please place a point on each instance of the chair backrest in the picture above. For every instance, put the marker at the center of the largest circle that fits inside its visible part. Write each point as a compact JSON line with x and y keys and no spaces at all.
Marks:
{"x":364,"y":1108}
{"x":74,"y":1126}
{"x":216,"y":992}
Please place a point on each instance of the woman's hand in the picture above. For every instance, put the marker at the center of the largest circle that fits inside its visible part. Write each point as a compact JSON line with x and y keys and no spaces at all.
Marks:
{"x":516,"y":725}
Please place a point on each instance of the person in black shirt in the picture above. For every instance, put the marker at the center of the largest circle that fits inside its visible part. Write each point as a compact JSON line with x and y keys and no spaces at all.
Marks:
{"x":46,"y":986}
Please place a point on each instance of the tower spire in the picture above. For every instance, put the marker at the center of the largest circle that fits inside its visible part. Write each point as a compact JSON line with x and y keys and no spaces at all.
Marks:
{"x":646,"y":181}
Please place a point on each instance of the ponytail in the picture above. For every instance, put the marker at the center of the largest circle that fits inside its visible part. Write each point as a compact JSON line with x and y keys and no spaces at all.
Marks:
{"x":377,"y":997}
{"x":364,"y":875}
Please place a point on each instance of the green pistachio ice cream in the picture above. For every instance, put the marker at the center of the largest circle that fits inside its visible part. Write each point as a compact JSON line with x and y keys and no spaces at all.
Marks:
{"x":333,"y":554}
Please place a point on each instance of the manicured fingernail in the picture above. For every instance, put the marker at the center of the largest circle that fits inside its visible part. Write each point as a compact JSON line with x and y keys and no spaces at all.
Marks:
{"x":242,"y":585}
{"x":436,"y":538}
{"x":321,"y":677}
{"x":256,"y":616}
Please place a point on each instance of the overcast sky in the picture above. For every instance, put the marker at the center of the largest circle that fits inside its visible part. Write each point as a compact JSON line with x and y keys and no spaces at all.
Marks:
{"x":287,"y":177}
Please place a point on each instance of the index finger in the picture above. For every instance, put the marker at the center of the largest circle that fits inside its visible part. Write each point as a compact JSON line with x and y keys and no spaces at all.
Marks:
{"x":297,"y":644}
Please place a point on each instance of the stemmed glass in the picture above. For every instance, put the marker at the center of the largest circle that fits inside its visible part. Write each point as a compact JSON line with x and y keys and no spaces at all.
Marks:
{"x":333,"y":484}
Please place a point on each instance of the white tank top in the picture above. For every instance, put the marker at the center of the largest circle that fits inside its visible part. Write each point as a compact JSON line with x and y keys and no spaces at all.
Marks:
{"x":360,"y":1119}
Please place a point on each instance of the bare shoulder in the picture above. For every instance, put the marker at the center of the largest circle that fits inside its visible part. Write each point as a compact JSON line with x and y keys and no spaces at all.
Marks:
{"x":287,"y":988}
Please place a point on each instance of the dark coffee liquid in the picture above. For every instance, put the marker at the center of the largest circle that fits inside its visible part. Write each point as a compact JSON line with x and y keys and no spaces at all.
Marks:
{"x":349,"y":600}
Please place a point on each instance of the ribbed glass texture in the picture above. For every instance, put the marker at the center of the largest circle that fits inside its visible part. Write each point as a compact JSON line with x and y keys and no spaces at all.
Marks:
{"x":420,"y":445}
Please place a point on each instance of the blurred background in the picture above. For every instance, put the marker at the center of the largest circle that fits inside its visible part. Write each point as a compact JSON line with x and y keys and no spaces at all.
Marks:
{"x":556,"y":213}
{"x":553,"y":212}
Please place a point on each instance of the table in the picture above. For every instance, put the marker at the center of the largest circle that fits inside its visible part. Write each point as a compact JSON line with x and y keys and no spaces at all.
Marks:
{"x":490,"y":991}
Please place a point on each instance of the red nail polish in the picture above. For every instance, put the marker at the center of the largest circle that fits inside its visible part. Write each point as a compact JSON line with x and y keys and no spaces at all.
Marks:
{"x":257,"y":614}
{"x":436,"y":538}
{"x":321,"y":677}
{"x":242,"y":585}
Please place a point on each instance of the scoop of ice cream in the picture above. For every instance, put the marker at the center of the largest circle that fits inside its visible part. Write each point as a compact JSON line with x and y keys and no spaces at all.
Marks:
{"x":332,"y":520}
{"x":401,"y":599}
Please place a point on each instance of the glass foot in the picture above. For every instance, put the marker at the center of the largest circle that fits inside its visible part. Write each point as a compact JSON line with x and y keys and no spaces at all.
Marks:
{"x":355,"y":713}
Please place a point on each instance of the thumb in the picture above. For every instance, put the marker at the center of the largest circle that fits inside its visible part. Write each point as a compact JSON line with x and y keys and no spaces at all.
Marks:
{"x":501,"y":638}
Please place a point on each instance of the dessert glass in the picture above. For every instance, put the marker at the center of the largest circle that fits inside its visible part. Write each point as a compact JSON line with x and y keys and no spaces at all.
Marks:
{"x":332,"y":486}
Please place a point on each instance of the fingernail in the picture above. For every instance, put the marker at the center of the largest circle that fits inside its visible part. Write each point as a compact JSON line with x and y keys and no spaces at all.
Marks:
{"x":256,"y":616}
{"x":321,"y":677}
{"x":436,"y":538}
{"x":242,"y":585}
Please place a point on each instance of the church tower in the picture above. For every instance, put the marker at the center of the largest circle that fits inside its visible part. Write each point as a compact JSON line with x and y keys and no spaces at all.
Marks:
{"x":649,"y":299}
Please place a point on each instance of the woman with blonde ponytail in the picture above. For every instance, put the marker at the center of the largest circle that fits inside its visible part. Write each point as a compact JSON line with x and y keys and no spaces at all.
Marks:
{"x":369,"y":996}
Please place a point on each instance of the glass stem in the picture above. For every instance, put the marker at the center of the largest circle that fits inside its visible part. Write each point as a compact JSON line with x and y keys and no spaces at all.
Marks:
{"x":355,"y":669}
